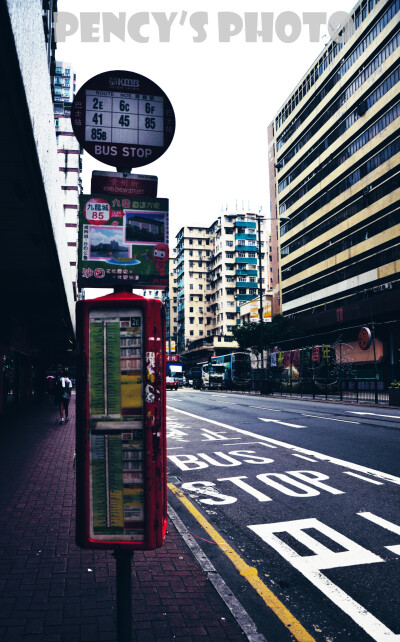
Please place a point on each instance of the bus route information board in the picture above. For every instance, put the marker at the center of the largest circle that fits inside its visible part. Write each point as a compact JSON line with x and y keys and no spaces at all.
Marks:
{"x":116,"y":423}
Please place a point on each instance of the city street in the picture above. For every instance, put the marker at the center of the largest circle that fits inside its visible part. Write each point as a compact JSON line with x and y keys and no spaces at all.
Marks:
{"x":296,"y":505}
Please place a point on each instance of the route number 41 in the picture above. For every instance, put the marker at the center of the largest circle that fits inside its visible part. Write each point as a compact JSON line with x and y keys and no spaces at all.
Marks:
{"x":323,"y":558}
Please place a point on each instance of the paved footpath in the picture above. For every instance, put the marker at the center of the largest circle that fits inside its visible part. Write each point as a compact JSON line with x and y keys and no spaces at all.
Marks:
{"x":53,"y":591}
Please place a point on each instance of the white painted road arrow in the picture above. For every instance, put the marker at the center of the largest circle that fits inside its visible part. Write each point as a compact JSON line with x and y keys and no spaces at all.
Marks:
{"x":275,"y":421}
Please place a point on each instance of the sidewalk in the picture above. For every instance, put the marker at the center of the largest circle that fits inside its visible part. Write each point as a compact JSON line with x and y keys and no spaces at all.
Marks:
{"x":53,"y":591}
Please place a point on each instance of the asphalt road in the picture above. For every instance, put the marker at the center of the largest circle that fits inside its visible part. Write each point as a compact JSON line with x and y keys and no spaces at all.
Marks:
{"x":296,"y":504}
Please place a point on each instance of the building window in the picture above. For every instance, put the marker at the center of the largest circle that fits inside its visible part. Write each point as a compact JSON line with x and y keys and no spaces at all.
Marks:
{"x":229,"y":243}
{"x":191,"y":333}
{"x":191,"y":319}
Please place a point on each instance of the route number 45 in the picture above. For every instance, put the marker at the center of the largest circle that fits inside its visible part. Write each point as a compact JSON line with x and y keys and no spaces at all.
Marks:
{"x":323,"y":558}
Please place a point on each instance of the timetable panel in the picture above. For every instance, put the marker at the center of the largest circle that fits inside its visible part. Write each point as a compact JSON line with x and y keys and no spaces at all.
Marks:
{"x":120,"y":118}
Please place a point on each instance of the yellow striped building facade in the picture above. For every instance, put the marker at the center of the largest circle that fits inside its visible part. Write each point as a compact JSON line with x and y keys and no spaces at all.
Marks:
{"x":335,"y":173}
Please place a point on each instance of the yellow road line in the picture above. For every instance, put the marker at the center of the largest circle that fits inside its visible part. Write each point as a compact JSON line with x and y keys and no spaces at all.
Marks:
{"x":248,"y":572}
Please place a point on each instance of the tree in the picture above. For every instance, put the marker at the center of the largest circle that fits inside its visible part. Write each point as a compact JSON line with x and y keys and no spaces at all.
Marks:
{"x":260,"y":336}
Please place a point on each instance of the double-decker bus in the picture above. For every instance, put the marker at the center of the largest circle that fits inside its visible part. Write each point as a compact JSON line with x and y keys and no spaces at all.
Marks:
{"x":237,"y":366}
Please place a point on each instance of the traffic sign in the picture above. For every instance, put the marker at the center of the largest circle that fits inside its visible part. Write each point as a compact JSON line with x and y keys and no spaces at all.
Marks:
{"x":123,"y":119}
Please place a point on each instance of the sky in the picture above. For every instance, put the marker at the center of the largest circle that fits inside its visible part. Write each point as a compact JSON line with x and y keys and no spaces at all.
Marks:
{"x":224,"y":94}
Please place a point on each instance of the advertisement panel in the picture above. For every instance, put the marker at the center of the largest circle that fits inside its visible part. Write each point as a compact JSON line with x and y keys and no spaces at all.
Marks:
{"x":267,"y":311}
{"x":122,"y":240}
{"x":254,"y":311}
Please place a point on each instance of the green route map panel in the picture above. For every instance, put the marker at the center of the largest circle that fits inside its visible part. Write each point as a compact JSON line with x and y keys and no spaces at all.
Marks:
{"x":96,"y":365}
{"x":116,"y":436}
{"x":113,"y":359}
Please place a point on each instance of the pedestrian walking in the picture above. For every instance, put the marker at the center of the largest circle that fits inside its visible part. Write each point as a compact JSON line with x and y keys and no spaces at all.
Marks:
{"x":63,"y":394}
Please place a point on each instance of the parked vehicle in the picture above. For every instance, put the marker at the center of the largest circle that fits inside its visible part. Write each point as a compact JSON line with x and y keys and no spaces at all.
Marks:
{"x":212,"y":375}
{"x":172,"y":383}
{"x":195,"y":377}
{"x":175,"y":370}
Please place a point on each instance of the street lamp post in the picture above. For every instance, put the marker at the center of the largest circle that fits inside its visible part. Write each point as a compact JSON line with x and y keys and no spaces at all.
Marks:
{"x":260,"y":293}
{"x":260,"y":218}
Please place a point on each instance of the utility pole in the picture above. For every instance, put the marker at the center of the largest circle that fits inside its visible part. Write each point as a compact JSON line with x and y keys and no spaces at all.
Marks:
{"x":260,"y":292}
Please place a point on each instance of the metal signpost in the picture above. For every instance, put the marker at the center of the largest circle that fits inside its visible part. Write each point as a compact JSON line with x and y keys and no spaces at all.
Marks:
{"x":125,"y":120}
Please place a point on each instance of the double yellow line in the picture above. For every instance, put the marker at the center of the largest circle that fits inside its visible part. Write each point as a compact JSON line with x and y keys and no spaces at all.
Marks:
{"x":248,"y":572}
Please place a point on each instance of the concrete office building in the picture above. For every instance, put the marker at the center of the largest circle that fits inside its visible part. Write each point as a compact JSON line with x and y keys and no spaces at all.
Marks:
{"x":69,"y":156}
{"x":217,"y":270}
{"x":334,"y":168}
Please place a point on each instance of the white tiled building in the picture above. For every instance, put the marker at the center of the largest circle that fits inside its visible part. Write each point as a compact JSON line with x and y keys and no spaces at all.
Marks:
{"x":217,"y":269}
{"x":69,"y":155}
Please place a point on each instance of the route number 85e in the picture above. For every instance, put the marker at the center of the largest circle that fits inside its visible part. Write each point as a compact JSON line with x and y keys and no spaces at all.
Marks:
{"x":98,"y":134}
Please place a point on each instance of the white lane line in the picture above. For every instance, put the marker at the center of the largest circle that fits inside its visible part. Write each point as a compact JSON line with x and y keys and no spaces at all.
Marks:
{"x":313,"y":567}
{"x":394,"y":528}
{"x":174,"y":447}
{"x":264,"y":408}
{"x":345,"y":421}
{"x":304,"y":457}
{"x":283,"y":423}
{"x":373,"y":414}
{"x":245,"y":443}
{"x":371,"y":481}
{"x":298,"y":449}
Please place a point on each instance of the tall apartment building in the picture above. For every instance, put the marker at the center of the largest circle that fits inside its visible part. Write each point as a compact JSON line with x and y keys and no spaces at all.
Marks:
{"x":69,"y":155}
{"x":171,"y":304}
{"x":192,"y":256}
{"x":217,"y":269}
{"x":334,"y":167}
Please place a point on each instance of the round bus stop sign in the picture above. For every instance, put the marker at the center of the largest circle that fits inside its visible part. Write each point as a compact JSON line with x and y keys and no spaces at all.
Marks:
{"x":123,"y":119}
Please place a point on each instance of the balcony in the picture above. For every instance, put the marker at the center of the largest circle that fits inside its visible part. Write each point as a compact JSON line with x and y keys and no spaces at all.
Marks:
{"x":243,"y":284}
{"x":244,"y":224}
{"x":245,"y":297}
{"x":245,"y":237}
{"x":240,"y":259}
{"x":246,"y":248}
{"x":246,"y":273}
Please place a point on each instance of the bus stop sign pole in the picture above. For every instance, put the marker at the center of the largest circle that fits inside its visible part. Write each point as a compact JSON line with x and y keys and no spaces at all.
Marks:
{"x":124,"y":593}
